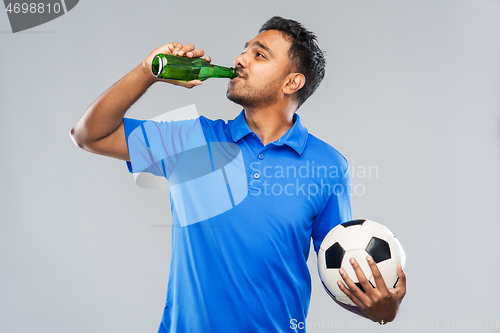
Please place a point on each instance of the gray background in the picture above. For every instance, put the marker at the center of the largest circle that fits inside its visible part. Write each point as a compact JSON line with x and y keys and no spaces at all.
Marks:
{"x":412,"y":89}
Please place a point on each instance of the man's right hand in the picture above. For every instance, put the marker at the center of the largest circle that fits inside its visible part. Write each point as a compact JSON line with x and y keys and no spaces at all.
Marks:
{"x":176,"y":49}
{"x":100,"y":130}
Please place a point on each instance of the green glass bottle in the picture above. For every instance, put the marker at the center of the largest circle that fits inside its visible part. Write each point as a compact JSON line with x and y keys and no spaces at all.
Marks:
{"x":166,"y":66}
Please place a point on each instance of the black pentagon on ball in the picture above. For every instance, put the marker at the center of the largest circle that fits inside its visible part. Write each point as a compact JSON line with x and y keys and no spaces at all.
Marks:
{"x":379,"y":249}
{"x":361,"y":287}
{"x":353,"y":222}
{"x":334,"y":256}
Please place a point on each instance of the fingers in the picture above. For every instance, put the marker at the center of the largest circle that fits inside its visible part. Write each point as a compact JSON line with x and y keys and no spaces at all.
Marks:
{"x":379,"y":280}
{"x":194,"y":83}
{"x":367,"y":286}
{"x":376,"y":303}
{"x":183,"y":50}
{"x":177,"y":49}
{"x":186,"y":84}
{"x":402,"y":280}
{"x":351,"y":286}
{"x":188,"y":51}
{"x":174,"y":47}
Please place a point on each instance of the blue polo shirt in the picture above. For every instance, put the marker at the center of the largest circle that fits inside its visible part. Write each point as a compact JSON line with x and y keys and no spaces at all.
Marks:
{"x":241,"y":266}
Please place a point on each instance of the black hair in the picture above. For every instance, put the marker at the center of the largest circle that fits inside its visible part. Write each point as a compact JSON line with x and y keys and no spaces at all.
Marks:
{"x":305,"y":55}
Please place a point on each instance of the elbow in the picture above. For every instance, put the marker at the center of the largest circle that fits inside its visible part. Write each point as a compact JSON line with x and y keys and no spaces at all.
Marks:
{"x":76,"y":137}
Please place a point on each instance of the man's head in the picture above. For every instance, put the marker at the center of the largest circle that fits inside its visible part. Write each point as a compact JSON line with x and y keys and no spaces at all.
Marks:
{"x":283,"y":61}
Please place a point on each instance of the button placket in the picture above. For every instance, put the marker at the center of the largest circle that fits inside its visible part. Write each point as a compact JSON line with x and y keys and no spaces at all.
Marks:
{"x":256,"y":172}
{"x":260,"y":156}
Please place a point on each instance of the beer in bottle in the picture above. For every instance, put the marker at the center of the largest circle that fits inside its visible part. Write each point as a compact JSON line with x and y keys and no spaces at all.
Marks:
{"x":166,"y":66}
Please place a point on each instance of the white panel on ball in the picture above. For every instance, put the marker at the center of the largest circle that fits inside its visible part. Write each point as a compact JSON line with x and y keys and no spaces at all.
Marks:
{"x":321,"y":263}
{"x":331,"y":237}
{"x":388,"y":269}
{"x":397,"y":252}
{"x":330,"y":280}
{"x":354,"y":238}
{"x":378,"y":230}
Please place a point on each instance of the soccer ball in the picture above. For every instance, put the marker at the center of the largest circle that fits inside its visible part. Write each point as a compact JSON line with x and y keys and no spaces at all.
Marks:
{"x":356,"y":239}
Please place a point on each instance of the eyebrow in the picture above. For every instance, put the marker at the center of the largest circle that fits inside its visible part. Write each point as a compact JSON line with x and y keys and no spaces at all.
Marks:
{"x":262,"y":46}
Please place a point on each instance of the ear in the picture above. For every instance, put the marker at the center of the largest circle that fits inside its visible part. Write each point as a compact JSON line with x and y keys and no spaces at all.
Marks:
{"x":294,"y":82}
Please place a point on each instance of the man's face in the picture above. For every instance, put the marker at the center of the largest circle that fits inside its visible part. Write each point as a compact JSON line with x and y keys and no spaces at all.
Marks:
{"x":262,"y":67}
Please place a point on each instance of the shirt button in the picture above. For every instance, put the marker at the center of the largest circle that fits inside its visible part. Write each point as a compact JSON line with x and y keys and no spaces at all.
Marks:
{"x":261,"y":156}
{"x":256,"y":175}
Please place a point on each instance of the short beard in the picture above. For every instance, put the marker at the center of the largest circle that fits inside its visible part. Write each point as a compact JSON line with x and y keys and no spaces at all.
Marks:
{"x":261,"y":98}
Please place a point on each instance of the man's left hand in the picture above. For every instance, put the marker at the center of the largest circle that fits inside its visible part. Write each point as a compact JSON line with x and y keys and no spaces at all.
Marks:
{"x":378,"y":303}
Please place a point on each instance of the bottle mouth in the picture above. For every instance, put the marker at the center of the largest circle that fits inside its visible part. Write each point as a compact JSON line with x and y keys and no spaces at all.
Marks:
{"x":157,"y":65}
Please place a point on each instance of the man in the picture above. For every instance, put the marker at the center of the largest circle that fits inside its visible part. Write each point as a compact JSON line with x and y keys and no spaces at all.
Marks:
{"x":245,"y":270}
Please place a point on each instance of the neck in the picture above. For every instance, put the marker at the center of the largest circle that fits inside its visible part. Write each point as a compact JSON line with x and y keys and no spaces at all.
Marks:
{"x":270,"y":123}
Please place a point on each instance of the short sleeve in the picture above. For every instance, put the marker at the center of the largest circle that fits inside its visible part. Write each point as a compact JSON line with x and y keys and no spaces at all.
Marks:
{"x":154,"y":146}
{"x":336,"y":210}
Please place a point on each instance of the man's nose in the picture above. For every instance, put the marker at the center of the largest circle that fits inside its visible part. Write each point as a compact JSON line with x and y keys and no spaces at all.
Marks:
{"x":240,"y":61}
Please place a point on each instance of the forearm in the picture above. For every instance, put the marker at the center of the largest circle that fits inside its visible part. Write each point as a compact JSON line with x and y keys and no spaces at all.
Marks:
{"x":106,"y":113}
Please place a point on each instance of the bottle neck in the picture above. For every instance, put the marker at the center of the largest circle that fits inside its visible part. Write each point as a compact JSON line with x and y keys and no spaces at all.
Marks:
{"x":224,"y":72}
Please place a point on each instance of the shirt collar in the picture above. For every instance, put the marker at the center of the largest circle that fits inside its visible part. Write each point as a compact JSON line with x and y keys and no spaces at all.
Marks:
{"x":295,"y":137}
